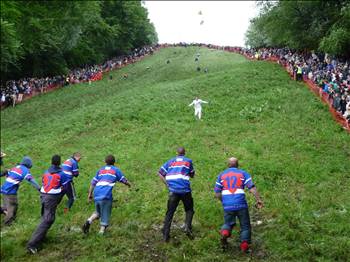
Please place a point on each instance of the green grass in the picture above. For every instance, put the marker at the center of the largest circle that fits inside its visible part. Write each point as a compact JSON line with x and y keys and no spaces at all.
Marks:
{"x":282,"y":134}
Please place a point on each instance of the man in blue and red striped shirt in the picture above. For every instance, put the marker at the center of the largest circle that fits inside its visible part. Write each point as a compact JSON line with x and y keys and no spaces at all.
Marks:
{"x":176,"y":174}
{"x":229,"y":189}
{"x":101,"y":187}
{"x":71,"y":168}
{"x":52,"y":192}
{"x":9,"y":189}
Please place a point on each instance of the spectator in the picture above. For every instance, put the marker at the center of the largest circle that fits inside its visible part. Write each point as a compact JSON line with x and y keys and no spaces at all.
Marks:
{"x":14,"y":91}
{"x":343,"y":104}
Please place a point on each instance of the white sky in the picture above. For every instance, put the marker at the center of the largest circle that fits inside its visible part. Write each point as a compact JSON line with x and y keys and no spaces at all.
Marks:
{"x":225,"y":22}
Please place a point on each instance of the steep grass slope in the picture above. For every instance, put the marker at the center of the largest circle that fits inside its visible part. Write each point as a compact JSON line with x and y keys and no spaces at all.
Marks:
{"x":283,"y":135}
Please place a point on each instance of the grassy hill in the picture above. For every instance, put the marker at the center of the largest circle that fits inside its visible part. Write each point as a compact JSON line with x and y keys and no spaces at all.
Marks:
{"x":282,"y":134}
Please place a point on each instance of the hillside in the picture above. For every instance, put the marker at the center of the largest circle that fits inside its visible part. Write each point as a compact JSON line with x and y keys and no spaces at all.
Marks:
{"x":283,"y":135}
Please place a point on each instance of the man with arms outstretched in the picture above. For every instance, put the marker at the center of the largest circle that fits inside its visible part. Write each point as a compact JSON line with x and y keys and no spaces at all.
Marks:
{"x":197,"y":104}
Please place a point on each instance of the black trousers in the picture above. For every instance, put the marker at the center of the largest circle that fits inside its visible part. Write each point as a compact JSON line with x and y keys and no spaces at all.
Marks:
{"x":173,"y":202}
{"x":49,"y":205}
{"x":70,"y":192}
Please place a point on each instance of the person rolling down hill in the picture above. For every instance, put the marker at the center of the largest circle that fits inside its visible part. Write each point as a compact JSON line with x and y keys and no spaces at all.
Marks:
{"x":9,"y":189}
{"x":53,"y":182}
{"x":71,"y":168}
{"x":176,"y":174}
{"x":101,"y":187}
{"x":229,"y":189}
{"x":197,"y":104}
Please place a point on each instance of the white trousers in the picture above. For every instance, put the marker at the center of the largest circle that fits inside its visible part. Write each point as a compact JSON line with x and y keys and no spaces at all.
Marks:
{"x":198,"y":112}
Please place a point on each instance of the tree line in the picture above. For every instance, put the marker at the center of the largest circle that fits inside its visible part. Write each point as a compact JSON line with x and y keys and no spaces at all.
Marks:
{"x":302,"y":25}
{"x":45,"y":38}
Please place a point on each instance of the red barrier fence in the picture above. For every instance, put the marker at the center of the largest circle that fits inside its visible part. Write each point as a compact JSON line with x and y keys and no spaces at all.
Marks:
{"x":96,"y":77}
{"x":311,"y":85}
{"x":314,"y":88}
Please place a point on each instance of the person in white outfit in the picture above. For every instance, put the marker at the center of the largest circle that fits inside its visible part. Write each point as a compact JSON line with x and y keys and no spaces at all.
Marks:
{"x":347,"y":112}
{"x":197,"y":104}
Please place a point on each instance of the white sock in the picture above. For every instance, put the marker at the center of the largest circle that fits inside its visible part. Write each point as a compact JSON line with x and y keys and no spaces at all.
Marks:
{"x":93,"y":217}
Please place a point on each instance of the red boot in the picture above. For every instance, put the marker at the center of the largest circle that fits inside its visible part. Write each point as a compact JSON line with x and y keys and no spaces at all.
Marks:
{"x":244,"y":246}
{"x":225,"y":234}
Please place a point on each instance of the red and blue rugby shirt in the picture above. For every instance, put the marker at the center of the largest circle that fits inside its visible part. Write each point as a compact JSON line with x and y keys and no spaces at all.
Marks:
{"x":105,"y":180}
{"x":177,"y":172}
{"x":231,"y":184}
{"x":14,"y":177}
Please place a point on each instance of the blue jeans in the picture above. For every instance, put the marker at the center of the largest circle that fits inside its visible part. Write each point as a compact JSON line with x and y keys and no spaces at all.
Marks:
{"x":70,"y":192}
{"x":244,"y":221}
{"x":103,"y":209}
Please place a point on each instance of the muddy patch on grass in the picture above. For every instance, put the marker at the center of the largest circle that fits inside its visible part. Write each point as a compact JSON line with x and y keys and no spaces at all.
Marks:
{"x":149,"y":248}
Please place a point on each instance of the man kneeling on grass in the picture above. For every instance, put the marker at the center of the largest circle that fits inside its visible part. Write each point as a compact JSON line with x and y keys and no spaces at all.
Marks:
{"x":102,"y":185}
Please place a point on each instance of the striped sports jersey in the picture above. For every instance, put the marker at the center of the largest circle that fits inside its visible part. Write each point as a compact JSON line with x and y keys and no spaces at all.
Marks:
{"x":231,"y":184}
{"x":14,"y":178}
{"x":177,"y":172}
{"x":105,"y":180}
{"x":53,"y":181}
{"x":71,"y":168}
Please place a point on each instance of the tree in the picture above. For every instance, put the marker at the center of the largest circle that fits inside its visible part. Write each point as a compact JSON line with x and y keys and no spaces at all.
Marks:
{"x":337,"y":41}
{"x":311,"y":25}
{"x":40,"y":38}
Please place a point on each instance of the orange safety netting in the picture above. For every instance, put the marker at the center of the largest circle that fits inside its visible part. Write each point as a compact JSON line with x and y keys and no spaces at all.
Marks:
{"x":311,"y":85}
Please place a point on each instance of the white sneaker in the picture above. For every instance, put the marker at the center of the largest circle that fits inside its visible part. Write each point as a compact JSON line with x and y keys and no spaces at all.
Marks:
{"x":102,"y":230}
{"x":32,"y":250}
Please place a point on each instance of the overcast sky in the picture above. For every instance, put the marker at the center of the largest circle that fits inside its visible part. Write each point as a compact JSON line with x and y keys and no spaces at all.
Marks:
{"x":225,"y":22}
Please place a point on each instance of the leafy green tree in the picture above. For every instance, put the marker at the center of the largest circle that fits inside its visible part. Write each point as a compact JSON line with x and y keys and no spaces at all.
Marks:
{"x":337,"y":42}
{"x":11,"y":47}
{"x":311,"y":25}
{"x":40,"y":38}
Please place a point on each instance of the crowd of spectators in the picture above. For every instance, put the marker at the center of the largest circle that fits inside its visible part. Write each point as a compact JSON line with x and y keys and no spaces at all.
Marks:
{"x":14,"y":91}
{"x":330,"y":74}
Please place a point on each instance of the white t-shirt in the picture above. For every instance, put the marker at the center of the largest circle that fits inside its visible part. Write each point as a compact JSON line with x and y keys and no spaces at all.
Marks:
{"x":197,"y":103}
